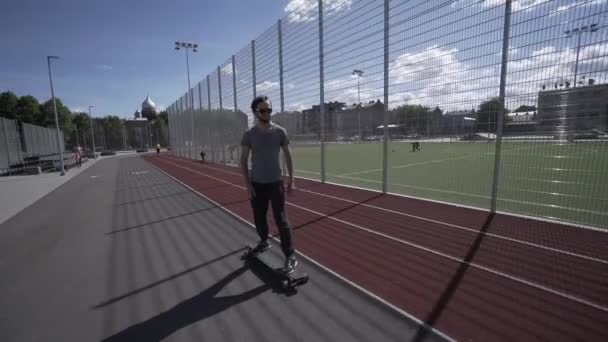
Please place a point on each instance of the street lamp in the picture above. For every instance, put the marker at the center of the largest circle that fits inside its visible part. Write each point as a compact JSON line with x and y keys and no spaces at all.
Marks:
{"x":579,"y":32}
{"x":48,"y":60}
{"x":92,"y":131}
{"x":187,"y":46}
{"x":359,"y":73}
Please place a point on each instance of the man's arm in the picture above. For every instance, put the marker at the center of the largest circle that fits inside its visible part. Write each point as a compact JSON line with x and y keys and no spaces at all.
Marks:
{"x":245,"y":169}
{"x":287,"y":154}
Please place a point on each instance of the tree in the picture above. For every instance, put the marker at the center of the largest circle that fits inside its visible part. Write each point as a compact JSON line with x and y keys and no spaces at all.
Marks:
{"x":27,"y":109}
{"x":416,"y":118}
{"x":82,"y":126}
{"x":149,"y":114}
{"x":487,"y":115}
{"x":164,"y":116}
{"x":46,"y":117}
{"x":525,"y":108}
{"x":8,"y":105}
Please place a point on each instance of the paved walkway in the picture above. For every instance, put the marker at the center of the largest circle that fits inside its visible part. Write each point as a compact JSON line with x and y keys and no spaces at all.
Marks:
{"x":19,"y":192}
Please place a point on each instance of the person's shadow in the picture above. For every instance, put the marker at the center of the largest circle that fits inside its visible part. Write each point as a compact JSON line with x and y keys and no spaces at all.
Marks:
{"x":195,"y":309}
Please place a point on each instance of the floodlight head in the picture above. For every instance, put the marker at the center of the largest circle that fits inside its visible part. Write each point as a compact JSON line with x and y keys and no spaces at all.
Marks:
{"x":177,"y":48}
{"x":195,"y":46}
{"x":176,"y":43}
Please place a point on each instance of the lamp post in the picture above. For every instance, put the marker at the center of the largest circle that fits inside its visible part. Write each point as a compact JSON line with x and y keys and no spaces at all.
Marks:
{"x":359,"y":73}
{"x":92,"y":131}
{"x":48,"y":60}
{"x":579,"y":32}
{"x":187,"y":46}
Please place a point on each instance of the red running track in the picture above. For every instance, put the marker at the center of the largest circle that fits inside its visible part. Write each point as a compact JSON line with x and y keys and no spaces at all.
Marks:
{"x":470,"y":275}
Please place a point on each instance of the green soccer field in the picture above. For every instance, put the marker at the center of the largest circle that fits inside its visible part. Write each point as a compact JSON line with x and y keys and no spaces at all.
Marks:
{"x":564,"y":181}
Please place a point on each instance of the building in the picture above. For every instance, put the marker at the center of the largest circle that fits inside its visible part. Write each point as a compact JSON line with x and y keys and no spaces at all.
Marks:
{"x":360,"y":119}
{"x":459,"y":122}
{"x":521,"y":123}
{"x":311,"y":120}
{"x":137,"y":133}
{"x":568,"y":110}
{"x":291,"y":121}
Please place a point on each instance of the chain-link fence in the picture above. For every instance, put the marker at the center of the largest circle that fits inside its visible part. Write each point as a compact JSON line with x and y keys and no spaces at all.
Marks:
{"x":499,"y":105}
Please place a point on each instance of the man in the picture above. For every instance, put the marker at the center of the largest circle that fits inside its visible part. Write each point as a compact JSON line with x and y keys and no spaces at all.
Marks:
{"x":157,"y":148}
{"x":264,"y":184}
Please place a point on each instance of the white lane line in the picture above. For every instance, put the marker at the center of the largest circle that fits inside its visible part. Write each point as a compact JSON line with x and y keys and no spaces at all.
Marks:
{"x":432,"y":251}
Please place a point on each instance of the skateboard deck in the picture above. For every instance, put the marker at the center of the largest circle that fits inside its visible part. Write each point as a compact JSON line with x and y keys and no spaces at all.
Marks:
{"x":290,"y":281}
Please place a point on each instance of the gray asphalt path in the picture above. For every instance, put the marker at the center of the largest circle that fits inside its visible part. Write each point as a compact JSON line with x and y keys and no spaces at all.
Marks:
{"x":123,"y":253}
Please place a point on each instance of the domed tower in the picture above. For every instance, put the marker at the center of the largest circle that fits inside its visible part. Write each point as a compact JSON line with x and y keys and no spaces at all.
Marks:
{"x":148,"y":108}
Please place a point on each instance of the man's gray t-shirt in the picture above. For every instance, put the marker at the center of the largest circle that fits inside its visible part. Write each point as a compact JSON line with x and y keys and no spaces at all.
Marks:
{"x":265,"y":145}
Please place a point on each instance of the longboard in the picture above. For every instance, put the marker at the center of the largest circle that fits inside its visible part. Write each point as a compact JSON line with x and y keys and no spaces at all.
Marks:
{"x":290,"y":281}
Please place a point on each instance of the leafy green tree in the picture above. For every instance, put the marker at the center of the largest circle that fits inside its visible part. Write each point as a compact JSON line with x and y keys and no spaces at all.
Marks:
{"x":8,"y":105}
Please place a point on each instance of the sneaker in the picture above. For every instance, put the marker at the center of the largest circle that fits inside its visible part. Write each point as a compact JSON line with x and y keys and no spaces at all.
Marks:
{"x":260,"y":248}
{"x":290,"y":264}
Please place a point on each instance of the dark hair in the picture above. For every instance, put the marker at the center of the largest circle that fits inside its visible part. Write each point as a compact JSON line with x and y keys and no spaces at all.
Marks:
{"x":258,"y":100}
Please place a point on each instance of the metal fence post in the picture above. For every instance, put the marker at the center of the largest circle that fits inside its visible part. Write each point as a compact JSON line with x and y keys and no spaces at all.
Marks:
{"x":501,"y":109}
{"x":321,"y":91}
{"x":211,"y":141}
{"x":385,"y":107}
{"x":236,"y":109}
{"x":281,"y":85}
{"x":192,"y":152}
{"x":253,"y":67}
{"x":221,"y":135}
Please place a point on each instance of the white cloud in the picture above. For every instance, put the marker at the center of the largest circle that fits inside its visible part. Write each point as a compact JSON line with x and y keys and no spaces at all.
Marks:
{"x":78,"y":109}
{"x":436,"y":77}
{"x":226,"y":69}
{"x":307,"y":10}
{"x":518,"y":5}
{"x":580,"y":3}
{"x":266,"y":86}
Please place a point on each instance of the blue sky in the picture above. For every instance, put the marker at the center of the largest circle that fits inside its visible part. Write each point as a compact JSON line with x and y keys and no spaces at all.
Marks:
{"x":115,"y":51}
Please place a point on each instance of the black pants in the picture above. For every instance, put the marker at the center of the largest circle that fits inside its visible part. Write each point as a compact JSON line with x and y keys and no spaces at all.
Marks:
{"x":275,"y":194}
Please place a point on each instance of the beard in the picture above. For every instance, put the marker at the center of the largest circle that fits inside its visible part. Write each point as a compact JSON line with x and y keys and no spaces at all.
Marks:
{"x":263,"y":120}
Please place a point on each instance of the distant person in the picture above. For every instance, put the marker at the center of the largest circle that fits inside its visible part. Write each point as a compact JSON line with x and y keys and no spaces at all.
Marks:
{"x":415,"y":146}
{"x":157,"y":148}
{"x":79,"y":158}
{"x":264,"y":183}
{"x":203,"y":156}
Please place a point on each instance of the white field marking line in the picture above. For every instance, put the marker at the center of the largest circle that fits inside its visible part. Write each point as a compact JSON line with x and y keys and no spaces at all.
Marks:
{"x":482,"y":155}
{"x":554,"y":206}
{"x":318,"y":264}
{"x":531,"y":244}
{"x":534,"y":218}
{"x":432,"y":251}
{"x":402,"y":166}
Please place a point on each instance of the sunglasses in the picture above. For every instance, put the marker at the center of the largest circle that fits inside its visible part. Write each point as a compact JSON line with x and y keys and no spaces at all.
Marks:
{"x":265,"y":111}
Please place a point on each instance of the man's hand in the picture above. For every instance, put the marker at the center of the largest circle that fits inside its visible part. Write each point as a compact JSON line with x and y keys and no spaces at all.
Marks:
{"x":250,"y":191}
{"x":290,"y":185}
